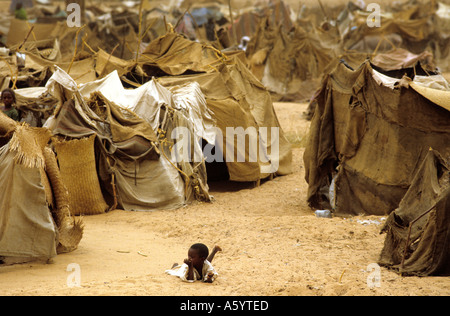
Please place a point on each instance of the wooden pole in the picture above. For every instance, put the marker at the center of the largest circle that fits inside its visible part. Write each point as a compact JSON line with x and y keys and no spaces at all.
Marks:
{"x":233,"y":30}
{"x":139,"y":31}
{"x":323,"y":10}
{"x":26,"y":38}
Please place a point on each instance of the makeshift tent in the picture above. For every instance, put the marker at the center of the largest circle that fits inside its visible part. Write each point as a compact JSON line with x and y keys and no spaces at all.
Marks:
{"x":18,"y":31}
{"x":236,"y":98}
{"x":418,"y":231}
{"x":184,"y":107}
{"x":289,"y":62}
{"x":134,"y":166}
{"x":245,"y":25}
{"x":47,"y":45}
{"x":35,"y":216}
{"x":115,"y":32}
{"x":399,"y":58}
{"x":369,"y":133}
{"x":417,"y":29}
{"x":37,"y":69}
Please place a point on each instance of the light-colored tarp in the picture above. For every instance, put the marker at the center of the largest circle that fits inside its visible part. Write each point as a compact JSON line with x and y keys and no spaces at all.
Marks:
{"x":151,"y":101}
{"x":400,"y":58}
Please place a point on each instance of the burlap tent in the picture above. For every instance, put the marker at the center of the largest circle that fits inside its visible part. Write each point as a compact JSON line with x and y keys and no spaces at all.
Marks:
{"x":114,"y":29}
{"x":19,"y":29}
{"x":43,"y":47}
{"x":35,"y":214}
{"x":132,"y":170}
{"x":369,"y":133}
{"x":289,"y":62}
{"x":245,"y":20}
{"x":418,"y":28}
{"x":418,"y":231}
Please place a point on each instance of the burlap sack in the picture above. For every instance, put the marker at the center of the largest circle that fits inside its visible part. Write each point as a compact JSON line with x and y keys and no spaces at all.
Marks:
{"x":70,"y":229}
{"x":78,"y":172}
{"x":59,"y":190}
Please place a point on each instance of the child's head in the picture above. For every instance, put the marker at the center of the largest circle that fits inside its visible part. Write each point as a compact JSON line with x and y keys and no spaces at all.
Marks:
{"x":8,"y":97}
{"x":198,"y":253}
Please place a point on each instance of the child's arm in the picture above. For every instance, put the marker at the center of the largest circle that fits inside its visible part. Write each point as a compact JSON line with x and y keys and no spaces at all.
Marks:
{"x":190,"y":274}
{"x":210,"y":274}
{"x":210,"y":277}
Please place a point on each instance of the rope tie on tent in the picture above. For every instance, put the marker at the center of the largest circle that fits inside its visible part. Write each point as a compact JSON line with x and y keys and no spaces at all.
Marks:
{"x":189,"y":180}
{"x":219,"y":55}
{"x":76,"y":46}
{"x":135,"y":172}
{"x":213,"y":68}
{"x":165,"y":142}
{"x":31,"y":30}
{"x":113,"y":182}
{"x":87,"y":45}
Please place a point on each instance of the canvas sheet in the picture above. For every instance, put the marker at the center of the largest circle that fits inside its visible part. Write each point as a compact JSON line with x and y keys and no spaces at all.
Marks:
{"x":238,"y":99}
{"x":425,"y":207}
{"x":145,"y":100}
{"x":26,"y":225}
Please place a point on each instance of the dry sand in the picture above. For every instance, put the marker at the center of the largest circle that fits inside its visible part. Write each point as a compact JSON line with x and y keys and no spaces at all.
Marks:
{"x":272,"y":245}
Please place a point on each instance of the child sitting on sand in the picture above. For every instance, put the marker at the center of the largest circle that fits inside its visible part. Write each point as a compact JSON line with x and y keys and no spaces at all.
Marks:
{"x":197,"y":266}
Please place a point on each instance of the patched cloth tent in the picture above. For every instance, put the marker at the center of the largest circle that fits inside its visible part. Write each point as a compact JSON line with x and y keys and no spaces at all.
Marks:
{"x":418,"y":231}
{"x":289,"y":62}
{"x":419,"y":28}
{"x":369,"y":134}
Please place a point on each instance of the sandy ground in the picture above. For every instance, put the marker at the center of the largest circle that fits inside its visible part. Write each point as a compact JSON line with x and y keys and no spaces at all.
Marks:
{"x":273,"y":245}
